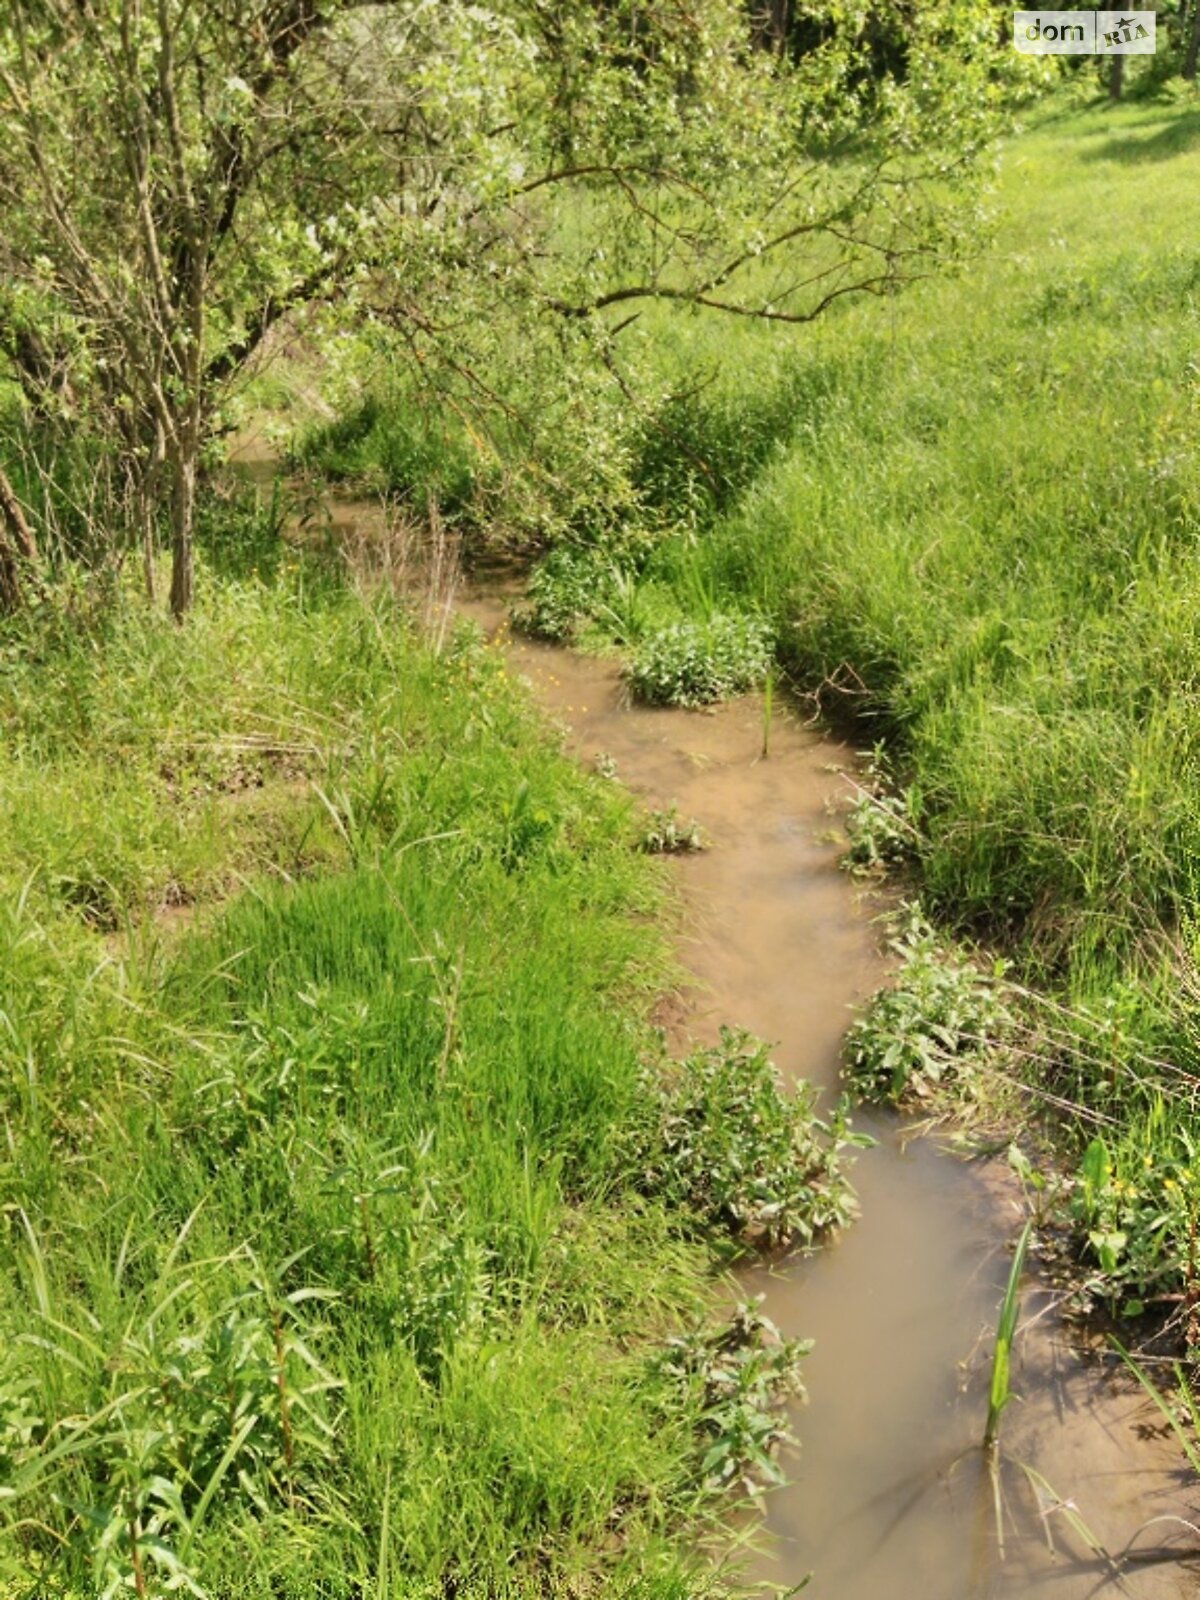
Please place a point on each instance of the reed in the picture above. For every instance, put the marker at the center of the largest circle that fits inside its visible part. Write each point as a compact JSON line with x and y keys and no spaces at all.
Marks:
{"x":1000,"y":1392}
{"x":768,"y":707}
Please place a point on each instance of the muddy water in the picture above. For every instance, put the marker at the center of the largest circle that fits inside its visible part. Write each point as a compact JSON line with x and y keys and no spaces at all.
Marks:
{"x":888,"y":1499}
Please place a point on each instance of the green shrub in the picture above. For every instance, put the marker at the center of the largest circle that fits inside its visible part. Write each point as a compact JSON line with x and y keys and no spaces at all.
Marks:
{"x":689,"y":663}
{"x":730,"y":1147}
{"x":566,"y":587}
{"x":702,"y":444}
{"x":881,"y":824}
{"x":177,"y":1393}
{"x":880,"y":831}
{"x":933,"y":1024}
{"x":745,"y":1371}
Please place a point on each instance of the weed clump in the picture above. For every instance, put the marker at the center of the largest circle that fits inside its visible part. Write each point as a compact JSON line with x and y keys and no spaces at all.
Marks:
{"x":1134,"y":1205}
{"x":694,"y":663}
{"x":565,"y":588}
{"x":744,"y":1371}
{"x":667,"y":833}
{"x":880,"y":824}
{"x":933,"y":1026}
{"x":729,"y":1148}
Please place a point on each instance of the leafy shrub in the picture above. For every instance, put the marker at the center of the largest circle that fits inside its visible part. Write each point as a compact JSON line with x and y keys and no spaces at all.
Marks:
{"x":690,"y":663}
{"x":932,"y":1024}
{"x":880,"y":833}
{"x":880,"y":822}
{"x":731,"y":1149}
{"x":567,"y":586}
{"x":746,"y":1371}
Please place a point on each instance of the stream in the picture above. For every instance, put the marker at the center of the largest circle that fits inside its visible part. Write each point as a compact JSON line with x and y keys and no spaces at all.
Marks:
{"x":889,"y":1497}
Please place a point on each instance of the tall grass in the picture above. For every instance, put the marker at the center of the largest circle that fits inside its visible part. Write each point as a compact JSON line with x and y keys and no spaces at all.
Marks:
{"x":969,"y":519}
{"x":984,"y":539}
{"x":1000,"y":1389}
{"x":323,"y":1037}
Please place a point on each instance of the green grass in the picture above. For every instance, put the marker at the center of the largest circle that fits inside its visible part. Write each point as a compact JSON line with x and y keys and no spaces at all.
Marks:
{"x":982,"y":545}
{"x":331,"y":1263}
{"x":991,"y":522}
{"x":969,"y":516}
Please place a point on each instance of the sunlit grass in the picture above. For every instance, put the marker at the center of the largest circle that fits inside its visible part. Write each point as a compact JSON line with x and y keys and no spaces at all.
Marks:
{"x":323,"y":1271}
{"x":979,"y":541}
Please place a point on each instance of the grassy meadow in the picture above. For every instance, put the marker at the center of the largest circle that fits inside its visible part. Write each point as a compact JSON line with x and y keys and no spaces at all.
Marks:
{"x":967,"y":517}
{"x":980,"y":544}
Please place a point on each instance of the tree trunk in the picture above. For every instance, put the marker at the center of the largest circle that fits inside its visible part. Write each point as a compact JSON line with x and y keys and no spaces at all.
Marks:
{"x":147,"y":458}
{"x":183,"y":518}
{"x":188,"y":431}
{"x":771,"y":22}
{"x":18,"y":548}
{"x":1193,"y":44}
{"x":1116,"y":77}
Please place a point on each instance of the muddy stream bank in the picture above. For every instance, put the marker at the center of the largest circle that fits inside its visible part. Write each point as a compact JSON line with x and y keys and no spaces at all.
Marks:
{"x":888,"y":1497}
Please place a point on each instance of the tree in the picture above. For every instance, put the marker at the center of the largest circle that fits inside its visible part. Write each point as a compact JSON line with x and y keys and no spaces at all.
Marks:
{"x":140,"y":131}
{"x":182,"y":174}
{"x":1192,"y":49}
{"x":18,"y":548}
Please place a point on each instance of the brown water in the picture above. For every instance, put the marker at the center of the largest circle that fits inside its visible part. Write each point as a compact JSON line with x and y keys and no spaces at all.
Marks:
{"x":889,"y":1498}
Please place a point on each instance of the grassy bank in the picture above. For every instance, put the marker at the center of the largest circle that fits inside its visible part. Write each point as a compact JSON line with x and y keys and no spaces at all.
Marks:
{"x":968,"y":517}
{"x":982,"y":545}
{"x":342,"y":1242}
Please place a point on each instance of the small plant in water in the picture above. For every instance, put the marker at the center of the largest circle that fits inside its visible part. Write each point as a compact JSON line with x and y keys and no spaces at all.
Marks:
{"x":732,"y":1150}
{"x":690,"y":663}
{"x":1000,"y":1392}
{"x":566,"y":588}
{"x":879,"y":823}
{"x":746,"y":1371}
{"x":667,"y":834}
{"x":999,"y":1395}
{"x":880,"y":833}
{"x":935,"y":1022}
{"x":768,"y":710}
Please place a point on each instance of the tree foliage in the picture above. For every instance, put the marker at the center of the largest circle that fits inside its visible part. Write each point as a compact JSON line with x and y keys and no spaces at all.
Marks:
{"x":180,"y":176}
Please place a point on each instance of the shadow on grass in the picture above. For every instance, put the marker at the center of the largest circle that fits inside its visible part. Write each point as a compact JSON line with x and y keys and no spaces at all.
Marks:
{"x":1175,"y":137}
